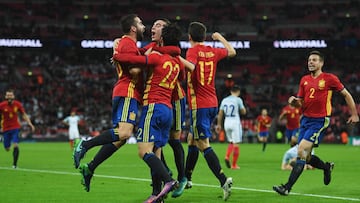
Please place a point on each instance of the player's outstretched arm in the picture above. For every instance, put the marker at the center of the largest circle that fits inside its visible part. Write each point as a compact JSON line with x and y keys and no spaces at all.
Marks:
{"x":354,"y":117}
{"x":27,"y":119}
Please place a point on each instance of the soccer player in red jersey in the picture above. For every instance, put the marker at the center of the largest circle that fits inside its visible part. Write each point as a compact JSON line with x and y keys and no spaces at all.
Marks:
{"x":292,"y":115}
{"x":156,"y":115}
{"x":203,"y":101}
{"x":314,"y":97}
{"x":179,"y":104}
{"x":263,"y":125}
{"x":126,"y":98}
{"x":10,"y":124}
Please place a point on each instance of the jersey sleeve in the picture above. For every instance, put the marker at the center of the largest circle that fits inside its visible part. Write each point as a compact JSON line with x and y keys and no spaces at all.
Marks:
{"x":171,"y":50}
{"x":301,"y":92}
{"x":130,"y":58}
{"x":221,"y":53}
{"x":125,"y":48}
{"x":148,"y":46}
{"x":335,"y":83}
{"x":241,"y":103}
{"x":286,"y":157}
{"x":20,"y":107}
{"x":191,"y":56}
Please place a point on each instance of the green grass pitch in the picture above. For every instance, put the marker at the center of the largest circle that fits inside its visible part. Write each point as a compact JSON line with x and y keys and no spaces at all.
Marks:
{"x":46,"y":174}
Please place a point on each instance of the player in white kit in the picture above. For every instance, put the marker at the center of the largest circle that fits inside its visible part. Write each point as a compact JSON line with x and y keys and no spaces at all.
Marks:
{"x":73,"y":121}
{"x":230,"y":108}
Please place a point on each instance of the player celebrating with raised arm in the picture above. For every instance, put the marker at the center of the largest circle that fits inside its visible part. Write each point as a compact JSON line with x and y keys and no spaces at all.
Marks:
{"x":314,"y":96}
{"x":203,"y":101}
{"x":126,"y":98}
{"x":10,"y":125}
{"x":179,"y":104}
{"x":156,"y":117}
{"x":230,"y":108}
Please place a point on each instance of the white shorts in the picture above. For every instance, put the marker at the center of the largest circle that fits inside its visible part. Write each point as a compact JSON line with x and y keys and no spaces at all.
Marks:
{"x":74,"y":134}
{"x":233,"y":131}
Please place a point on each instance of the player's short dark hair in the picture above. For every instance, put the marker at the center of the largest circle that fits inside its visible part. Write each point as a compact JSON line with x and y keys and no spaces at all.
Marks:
{"x":235,"y":88}
{"x":316,"y":52}
{"x":197,"y":31}
{"x":128,"y":21}
{"x":171,"y":35}
{"x":10,"y":90}
{"x":167,"y":21}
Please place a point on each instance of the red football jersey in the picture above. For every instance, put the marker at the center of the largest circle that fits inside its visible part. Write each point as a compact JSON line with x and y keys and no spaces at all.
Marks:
{"x":162,"y":74}
{"x":292,"y":117}
{"x":127,"y":85}
{"x":262,"y":122}
{"x":201,"y":88}
{"x":9,"y":115}
{"x":178,"y":92}
{"x":317,"y":93}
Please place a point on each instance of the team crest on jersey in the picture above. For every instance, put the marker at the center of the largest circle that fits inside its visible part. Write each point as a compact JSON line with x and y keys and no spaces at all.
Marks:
{"x":305,"y":83}
{"x":322,"y":84}
{"x":132,"y":116}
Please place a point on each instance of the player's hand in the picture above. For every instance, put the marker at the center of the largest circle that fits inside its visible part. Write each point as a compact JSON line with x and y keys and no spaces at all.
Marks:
{"x":216,"y":36}
{"x":32,"y":127}
{"x":147,"y":52}
{"x":112,"y":61}
{"x":353,"y":119}
{"x":134,"y":71}
{"x":218,"y":129}
{"x":293,"y":101}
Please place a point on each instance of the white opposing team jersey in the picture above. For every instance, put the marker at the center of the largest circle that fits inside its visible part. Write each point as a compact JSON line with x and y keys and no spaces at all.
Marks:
{"x":292,"y":153}
{"x":73,"y":122}
{"x":231,"y":106}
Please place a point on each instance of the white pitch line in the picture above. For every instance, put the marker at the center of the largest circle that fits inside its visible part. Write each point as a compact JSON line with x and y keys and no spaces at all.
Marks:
{"x":196,"y":184}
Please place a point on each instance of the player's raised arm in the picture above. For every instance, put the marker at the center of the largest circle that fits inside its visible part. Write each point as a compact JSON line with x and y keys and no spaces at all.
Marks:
{"x":228,"y":46}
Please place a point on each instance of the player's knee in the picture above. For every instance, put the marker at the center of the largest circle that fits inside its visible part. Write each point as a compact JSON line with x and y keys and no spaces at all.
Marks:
{"x":202,"y":145}
{"x":124,"y":136}
{"x":175,"y":134}
{"x":141,"y":154}
{"x":125,"y":132}
{"x":120,"y":143}
{"x":303,"y":154}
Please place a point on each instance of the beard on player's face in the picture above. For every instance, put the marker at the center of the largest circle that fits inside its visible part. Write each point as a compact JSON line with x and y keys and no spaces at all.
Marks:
{"x":10,"y":100}
{"x":139,"y":35}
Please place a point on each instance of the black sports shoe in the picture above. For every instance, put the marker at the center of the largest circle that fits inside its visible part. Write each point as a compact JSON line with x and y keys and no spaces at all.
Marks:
{"x":329,"y":166}
{"x":86,"y":176}
{"x":78,"y":154}
{"x":281,"y":189}
{"x":227,"y":163}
